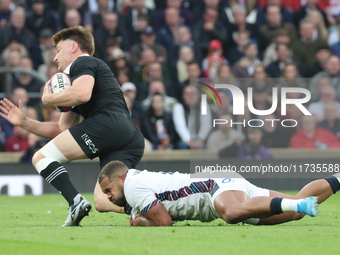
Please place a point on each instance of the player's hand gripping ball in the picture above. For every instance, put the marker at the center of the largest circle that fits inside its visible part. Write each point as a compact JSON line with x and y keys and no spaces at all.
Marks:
{"x":58,"y":83}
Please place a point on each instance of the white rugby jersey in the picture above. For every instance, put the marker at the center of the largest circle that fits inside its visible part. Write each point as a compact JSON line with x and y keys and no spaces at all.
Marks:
{"x":183,"y":197}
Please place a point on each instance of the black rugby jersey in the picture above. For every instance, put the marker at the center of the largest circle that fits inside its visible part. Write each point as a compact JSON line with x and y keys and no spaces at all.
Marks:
{"x":106,"y":94}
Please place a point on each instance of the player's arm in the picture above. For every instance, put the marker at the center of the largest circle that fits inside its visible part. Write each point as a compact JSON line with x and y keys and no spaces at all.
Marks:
{"x":79,"y":93}
{"x":157,"y":216}
{"x":16,"y":116}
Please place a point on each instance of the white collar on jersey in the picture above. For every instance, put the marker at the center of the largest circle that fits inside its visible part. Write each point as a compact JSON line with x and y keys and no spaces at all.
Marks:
{"x":67,"y":69}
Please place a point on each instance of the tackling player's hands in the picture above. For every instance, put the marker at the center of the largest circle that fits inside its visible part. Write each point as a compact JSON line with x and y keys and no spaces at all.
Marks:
{"x":15,"y":115}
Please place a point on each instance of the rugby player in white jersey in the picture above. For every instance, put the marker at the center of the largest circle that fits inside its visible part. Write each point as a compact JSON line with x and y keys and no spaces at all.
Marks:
{"x":162,"y":198}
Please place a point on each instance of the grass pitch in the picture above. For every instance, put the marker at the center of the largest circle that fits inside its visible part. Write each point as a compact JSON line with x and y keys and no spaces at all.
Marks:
{"x":31,"y":225}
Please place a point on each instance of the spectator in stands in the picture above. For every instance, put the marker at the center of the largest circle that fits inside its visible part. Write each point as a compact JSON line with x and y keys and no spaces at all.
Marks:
{"x":275,"y":24}
{"x":237,"y":52}
{"x":240,"y":25}
{"x":111,"y":30}
{"x":311,"y":136}
{"x":184,"y":39}
{"x":311,"y":5}
{"x":181,"y":119}
{"x":244,"y":68}
{"x":291,"y":76}
{"x":14,"y":46}
{"x":46,"y":46}
{"x":141,"y":23}
{"x":261,"y":100}
{"x":5,"y":12}
{"x":117,"y":61}
{"x":123,"y":75}
{"x":85,"y":15}
{"x":284,"y":54}
{"x":199,"y":7}
{"x":158,"y":87}
{"x":43,"y":69}
{"x":309,"y":42}
{"x":40,"y":18}
{"x":270,"y":54}
{"x":252,"y":148}
{"x":333,"y":37}
{"x":331,"y":120}
{"x":186,"y":16}
{"x":260,"y":79}
{"x":18,"y":142}
{"x":200,"y":125}
{"x":168,"y":34}
{"x":141,"y":73}
{"x":135,"y":107}
{"x":224,"y":74}
{"x":327,"y":95}
{"x":148,"y":38}
{"x":158,"y":126}
{"x":332,"y":72}
{"x":274,"y":134}
{"x":18,"y":32}
{"x":99,"y":12}
{"x":224,"y":136}
{"x":186,"y":55}
{"x":26,"y":81}
{"x":221,"y":109}
{"x":262,"y":13}
{"x":208,"y":29}
{"x":214,"y":59}
{"x":17,"y":95}
{"x":322,"y":54}
{"x":316,"y":17}
{"x":130,"y":18}
{"x":72,"y":18}
{"x":194,"y":72}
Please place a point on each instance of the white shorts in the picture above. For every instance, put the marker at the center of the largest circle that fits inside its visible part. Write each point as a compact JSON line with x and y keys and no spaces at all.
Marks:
{"x":238,"y":184}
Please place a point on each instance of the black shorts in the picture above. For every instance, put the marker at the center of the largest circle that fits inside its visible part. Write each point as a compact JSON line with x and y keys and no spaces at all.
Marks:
{"x":110,"y":136}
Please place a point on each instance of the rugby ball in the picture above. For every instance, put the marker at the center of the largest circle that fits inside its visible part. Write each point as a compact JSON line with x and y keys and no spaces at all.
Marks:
{"x":58,"y":83}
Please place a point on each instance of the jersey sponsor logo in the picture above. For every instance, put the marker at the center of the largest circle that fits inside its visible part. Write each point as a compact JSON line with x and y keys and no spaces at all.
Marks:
{"x":227,"y":180}
{"x":89,"y":143}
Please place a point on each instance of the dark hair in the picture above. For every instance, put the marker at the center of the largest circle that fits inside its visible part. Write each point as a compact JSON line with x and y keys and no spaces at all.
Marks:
{"x":143,"y":16}
{"x":323,"y":47}
{"x":78,"y":34}
{"x":281,"y":44}
{"x":112,"y":168}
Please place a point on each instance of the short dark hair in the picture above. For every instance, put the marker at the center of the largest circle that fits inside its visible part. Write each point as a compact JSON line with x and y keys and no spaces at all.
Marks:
{"x":111,"y":168}
{"x":78,"y":34}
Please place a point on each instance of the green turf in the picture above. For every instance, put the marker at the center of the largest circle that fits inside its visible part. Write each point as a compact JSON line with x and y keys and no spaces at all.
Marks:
{"x":31,"y":225}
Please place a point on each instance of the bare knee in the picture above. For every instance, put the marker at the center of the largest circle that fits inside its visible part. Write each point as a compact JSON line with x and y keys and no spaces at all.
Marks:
{"x":36,"y":157}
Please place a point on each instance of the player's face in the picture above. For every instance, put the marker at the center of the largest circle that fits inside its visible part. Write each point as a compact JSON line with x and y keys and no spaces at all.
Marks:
{"x":114,"y":191}
{"x":63,"y":56}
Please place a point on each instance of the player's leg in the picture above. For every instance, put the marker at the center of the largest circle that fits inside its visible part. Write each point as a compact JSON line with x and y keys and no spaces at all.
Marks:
{"x":321,"y":188}
{"x":47,"y":161}
{"x":237,"y":200}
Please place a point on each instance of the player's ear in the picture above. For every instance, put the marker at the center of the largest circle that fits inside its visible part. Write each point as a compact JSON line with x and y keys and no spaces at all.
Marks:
{"x":75,"y":47}
{"x":122,"y":177}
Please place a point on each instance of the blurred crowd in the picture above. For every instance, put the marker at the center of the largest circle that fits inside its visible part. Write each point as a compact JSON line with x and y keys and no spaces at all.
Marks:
{"x":154,"y":48}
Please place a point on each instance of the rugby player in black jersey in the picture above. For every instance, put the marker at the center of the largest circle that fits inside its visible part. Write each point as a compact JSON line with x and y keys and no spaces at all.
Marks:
{"x":106,"y":130}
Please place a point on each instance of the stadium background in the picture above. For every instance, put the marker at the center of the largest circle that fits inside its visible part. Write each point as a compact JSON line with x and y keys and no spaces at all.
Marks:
{"x":156,"y":47}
